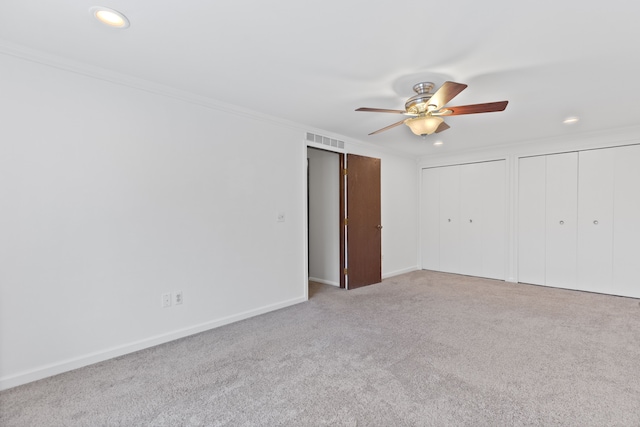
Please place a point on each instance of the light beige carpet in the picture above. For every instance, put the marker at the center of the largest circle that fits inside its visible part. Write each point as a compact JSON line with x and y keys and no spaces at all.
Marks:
{"x":421,"y":349}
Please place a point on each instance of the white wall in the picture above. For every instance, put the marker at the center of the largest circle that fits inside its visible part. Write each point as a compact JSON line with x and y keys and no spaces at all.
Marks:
{"x":324,"y":216}
{"x":112,"y":194}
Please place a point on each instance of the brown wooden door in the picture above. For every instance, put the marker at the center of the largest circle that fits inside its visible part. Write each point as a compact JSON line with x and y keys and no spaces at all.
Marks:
{"x":364,"y":230}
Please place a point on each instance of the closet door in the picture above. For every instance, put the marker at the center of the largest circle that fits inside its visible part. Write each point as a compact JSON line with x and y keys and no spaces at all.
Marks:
{"x":626,"y":230}
{"x":492,"y":219}
{"x":430,"y":218}
{"x":561,"y":220}
{"x":449,"y":218}
{"x":463,"y":219}
{"x":531,"y":219}
{"x":595,"y":220}
{"x":472,"y":187}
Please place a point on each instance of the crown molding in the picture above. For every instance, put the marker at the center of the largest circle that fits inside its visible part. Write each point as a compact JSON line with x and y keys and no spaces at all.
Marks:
{"x":100,"y":73}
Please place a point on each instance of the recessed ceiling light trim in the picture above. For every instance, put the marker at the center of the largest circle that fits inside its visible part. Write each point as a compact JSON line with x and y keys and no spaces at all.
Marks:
{"x":110,"y":17}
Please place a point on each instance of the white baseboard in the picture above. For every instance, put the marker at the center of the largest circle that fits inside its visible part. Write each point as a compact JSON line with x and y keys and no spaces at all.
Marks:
{"x":399,"y":272}
{"x":324,"y":282}
{"x":100,"y":356}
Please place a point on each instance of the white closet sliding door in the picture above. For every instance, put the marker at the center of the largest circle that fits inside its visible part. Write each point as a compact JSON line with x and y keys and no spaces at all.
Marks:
{"x":449,"y":219}
{"x":561,"y":220}
{"x":532,"y":219}
{"x":595,"y":220}
{"x":471,"y":219}
{"x":463,"y":221}
{"x":590,"y":236}
{"x":430,"y":221}
{"x":626,"y":217}
{"x":493,"y":219}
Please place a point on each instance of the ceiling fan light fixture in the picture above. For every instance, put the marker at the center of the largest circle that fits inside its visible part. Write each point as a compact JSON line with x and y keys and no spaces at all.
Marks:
{"x":110,"y":17}
{"x":424,"y":125}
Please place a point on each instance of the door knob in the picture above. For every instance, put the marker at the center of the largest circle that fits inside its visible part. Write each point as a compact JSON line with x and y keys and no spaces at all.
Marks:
{"x":561,"y":222}
{"x":470,"y":220}
{"x":595,"y":222}
{"x":379,"y":227}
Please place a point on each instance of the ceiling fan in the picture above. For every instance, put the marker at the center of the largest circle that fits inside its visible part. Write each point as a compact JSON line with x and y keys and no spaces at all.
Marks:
{"x":426,"y":109}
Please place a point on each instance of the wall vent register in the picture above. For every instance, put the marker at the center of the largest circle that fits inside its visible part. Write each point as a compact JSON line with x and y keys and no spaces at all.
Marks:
{"x":319,"y":139}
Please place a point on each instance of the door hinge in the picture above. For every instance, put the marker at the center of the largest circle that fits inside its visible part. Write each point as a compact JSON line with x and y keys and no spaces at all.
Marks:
{"x":344,"y":172}
{"x":345,"y":271}
{"x":346,"y":221}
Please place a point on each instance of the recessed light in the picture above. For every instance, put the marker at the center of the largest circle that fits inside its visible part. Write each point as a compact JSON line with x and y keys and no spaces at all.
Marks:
{"x":438,"y":143}
{"x":571,"y":120}
{"x":110,"y":17}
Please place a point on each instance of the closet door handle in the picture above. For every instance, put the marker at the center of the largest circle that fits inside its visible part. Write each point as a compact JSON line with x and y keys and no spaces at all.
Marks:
{"x":561,"y":222}
{"x":595,"y":222}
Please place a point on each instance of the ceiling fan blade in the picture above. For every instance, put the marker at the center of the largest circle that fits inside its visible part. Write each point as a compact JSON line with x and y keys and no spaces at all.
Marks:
{"x":443,"y":126}
{"x":388,"y":127}
{"x":488,"y":107}
{"x":381,"y":110}
{"x":445,"y":94}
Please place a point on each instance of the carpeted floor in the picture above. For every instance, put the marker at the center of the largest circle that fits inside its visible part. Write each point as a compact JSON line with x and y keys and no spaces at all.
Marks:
{"x":421,"y":349}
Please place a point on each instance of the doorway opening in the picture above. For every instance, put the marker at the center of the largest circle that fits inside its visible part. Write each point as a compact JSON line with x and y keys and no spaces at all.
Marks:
{"x":344,"y":219}
{"x":323,"y":216}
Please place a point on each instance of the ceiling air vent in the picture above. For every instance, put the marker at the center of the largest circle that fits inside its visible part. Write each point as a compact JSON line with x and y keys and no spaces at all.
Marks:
{"x":319,"y":139}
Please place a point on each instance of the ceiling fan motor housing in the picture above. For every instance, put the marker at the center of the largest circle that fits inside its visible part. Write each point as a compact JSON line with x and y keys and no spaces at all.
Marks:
{"x":419,"y":103}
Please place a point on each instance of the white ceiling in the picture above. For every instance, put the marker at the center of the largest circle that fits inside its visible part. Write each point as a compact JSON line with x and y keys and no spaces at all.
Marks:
{"x":314,"y":62}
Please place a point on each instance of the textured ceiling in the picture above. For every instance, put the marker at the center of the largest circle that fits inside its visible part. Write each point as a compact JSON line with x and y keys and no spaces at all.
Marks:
{"x":315,"y":62}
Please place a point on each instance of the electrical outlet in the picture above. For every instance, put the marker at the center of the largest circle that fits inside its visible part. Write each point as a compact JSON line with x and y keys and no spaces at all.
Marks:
{"x":177,"y":297}
{"x":166,"y":300}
